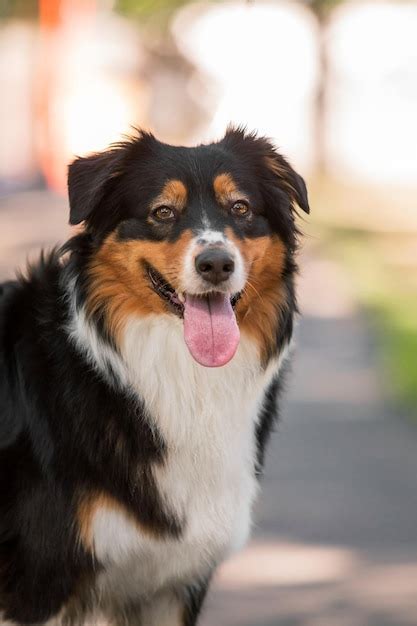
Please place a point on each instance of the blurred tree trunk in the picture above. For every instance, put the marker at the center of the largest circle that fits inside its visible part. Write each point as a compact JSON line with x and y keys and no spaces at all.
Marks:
{"x":322,"y":10}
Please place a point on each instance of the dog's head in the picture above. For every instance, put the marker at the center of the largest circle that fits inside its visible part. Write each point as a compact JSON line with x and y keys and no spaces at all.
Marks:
{"x":206,"y":234}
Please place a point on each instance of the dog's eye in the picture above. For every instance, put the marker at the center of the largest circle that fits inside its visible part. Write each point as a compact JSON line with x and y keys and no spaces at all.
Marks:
{"x":163,"y":213}
{"x":241,"y":209}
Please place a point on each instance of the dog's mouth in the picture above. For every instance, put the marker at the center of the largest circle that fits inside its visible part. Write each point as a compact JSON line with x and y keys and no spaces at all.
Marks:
{"x":165,"y":291}
{"x":176,"y":300}
{"x":210,"y":327}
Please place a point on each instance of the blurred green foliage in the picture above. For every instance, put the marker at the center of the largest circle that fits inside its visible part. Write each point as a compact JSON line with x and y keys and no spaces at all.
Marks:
{"x":161,"y":10}
{"x":142,"y":10}
{"x":153,"y":13}
{"x":18,"y":8}
{"x":384,"y":283}
{"x":384,"y":294}
{"x":147,"y":8}
{"x":322,"y":7}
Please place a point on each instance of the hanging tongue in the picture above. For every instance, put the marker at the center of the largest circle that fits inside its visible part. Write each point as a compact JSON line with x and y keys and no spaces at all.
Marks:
{"x":210,"y":329}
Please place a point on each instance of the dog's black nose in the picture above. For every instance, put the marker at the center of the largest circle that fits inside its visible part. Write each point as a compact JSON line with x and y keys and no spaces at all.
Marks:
{"x":215,"y":265}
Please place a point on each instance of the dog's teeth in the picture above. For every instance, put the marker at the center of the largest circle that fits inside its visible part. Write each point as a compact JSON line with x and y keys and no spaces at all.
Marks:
{"x":181,"y":297}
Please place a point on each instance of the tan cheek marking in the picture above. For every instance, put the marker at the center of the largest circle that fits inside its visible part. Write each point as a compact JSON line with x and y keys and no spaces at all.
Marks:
{"x":258,"y":309}
{"x":119,"y":285}
{"x":174,"y":193}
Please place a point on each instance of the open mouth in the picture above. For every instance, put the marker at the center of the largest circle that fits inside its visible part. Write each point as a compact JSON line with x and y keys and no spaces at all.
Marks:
{"x":210,"y":327}
{"x":165,"y":290}
{"x":175,"y":300}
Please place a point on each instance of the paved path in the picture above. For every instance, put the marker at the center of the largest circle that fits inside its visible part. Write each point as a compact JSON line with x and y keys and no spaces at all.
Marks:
{"x":335,"y":541}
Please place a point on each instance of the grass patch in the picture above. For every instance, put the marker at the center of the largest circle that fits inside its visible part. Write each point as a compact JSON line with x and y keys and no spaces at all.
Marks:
{"x":399,"y":342}
{"x":385,"y":275}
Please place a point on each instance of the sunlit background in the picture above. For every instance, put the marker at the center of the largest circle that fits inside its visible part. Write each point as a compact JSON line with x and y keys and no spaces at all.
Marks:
{"x":334,"y":84}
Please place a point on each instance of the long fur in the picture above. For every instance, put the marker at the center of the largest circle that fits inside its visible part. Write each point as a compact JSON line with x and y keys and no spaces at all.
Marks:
{"x":128,"y":471}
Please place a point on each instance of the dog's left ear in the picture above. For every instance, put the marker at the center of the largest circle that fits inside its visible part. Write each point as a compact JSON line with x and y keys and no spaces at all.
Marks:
{"x":272,"y":167}
{"x":288,"y":179}
{"x":88,"y":180}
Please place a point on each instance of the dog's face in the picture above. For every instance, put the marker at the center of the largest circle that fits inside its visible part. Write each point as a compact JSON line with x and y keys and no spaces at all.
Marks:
{"x":205,"y":234}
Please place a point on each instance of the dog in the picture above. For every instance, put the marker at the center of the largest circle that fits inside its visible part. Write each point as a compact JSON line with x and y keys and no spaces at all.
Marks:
{"x":140,"y":366}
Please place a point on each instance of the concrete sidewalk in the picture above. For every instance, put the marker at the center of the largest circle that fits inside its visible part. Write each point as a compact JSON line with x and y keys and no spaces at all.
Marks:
{"x":335,"y":540}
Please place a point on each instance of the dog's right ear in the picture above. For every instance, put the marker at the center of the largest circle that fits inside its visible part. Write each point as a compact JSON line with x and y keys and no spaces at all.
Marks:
{"x":88,"y":180}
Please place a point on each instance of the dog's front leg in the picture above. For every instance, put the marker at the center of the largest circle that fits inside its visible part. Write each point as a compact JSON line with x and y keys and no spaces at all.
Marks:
{"x":174,"y":608}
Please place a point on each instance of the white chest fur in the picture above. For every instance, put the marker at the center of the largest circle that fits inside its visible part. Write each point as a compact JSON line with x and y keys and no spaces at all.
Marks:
{"x":207,"y":418}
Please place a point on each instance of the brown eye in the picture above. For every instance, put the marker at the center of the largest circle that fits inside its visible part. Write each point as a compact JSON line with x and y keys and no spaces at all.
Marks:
{"x":163,"y":214}
{"x":241,"y":209}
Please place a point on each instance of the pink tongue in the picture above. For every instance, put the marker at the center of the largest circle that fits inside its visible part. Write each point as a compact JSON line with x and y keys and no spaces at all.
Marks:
{"x":210,"y":329}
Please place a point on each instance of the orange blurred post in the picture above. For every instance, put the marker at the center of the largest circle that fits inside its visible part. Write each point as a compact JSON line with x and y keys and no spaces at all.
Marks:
{"x":53,"y":17}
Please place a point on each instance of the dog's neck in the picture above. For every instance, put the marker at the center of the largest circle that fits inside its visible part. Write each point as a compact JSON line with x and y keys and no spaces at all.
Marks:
{"x":153,"y":362}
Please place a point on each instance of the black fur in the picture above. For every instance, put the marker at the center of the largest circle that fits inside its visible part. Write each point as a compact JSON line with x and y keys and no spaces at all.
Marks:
{"x":65,"y":431}
{"x":115,"y":188}
{"x":194,"y":598}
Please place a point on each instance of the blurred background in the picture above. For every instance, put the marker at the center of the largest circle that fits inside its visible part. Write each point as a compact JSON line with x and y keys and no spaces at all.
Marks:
{"x":335,"y":85}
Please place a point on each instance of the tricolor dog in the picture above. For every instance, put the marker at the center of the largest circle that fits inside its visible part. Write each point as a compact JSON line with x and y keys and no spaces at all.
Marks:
{"x":139,"y":374}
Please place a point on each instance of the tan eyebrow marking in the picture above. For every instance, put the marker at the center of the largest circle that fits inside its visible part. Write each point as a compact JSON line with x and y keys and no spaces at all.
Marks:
{"x":173,"y":194}
{"x":226,"y":189}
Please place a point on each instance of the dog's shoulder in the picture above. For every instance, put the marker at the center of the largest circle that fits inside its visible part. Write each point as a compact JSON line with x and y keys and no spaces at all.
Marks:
{"x":29,"y":305}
